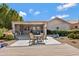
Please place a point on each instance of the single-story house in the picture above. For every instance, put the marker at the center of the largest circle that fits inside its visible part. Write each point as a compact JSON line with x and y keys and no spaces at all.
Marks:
{"x":54,"y":24}
{"x":58,"y":23}
{"x":75,"y":25}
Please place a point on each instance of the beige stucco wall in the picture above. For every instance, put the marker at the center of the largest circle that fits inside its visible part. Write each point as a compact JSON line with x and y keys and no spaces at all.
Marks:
{"x":75,"y":24}
{"x":52,"y":25}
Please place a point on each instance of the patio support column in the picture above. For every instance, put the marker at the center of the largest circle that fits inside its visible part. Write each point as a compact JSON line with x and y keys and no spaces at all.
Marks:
{"x":45,"y":30}
{"x":13,"y":27}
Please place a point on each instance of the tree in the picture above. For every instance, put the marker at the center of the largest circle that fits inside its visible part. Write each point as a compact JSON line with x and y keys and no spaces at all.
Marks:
{"x":7,"y":15}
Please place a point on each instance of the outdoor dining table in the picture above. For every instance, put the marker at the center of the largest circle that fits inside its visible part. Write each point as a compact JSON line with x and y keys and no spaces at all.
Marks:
{"x":38,"y":37}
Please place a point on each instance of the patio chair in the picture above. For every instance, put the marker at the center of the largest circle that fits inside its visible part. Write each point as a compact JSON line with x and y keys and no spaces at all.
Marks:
{"x":43,"y":37}
{"x":32,"y":39}
{"x":16,"y":36}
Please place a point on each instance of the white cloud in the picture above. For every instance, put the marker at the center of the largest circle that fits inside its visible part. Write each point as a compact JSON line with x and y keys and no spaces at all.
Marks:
{"x":52,"y":17}
{"x":36,"y":12}
{"x":60,"y":16}
{"x":31,"y":10}
{"x":66,"y":6}
{"x":21,"y":13}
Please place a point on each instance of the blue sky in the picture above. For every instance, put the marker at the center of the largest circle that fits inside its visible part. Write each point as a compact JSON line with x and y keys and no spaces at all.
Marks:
{"x":46,"y":11}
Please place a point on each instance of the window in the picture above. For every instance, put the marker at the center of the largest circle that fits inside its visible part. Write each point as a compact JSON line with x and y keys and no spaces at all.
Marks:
{"x":76,"y":26}
{"x":57,"y":28}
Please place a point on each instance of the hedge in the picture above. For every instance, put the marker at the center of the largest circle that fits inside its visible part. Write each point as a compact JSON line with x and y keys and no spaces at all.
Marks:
{"x":73,"y":36}
{"x":62,"y":32}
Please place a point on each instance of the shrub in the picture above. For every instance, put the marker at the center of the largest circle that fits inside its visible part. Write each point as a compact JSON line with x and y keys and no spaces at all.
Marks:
{"x":62,"y":32}
{"x":71,"y":35}
{"x":49,"y":32}
{"x":1,"y":34}
{"x":2,"y":30}
{"x":9,"y":37}
{"x":77,"y":36}
{"x":74,"y":31}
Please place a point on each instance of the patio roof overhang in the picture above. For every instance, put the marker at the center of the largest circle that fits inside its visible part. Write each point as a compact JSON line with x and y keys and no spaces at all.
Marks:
{"x":30,"y":23}
{"x":44,"y":24}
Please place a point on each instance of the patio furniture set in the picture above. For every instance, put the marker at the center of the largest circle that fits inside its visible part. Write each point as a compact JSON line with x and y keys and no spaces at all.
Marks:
{"x":36,"y":38}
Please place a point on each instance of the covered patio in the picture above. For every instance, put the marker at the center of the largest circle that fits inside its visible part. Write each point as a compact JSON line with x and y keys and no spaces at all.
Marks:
{"x":23,"y":30}
{"x":50,"y":41}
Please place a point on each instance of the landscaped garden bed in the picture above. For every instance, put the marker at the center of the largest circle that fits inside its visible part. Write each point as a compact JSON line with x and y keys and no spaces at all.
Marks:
{"x":6,"y":37}
{"x":73,"y":42}
{"x":70,"y":36}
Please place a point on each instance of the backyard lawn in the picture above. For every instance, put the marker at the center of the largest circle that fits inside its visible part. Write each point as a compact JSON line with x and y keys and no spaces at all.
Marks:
{"x":73,"y":42}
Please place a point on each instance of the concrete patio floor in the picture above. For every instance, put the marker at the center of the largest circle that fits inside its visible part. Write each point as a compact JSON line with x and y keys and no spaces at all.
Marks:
{"x":50,"y":41}
{"x":54,"y":48}
{"x":20,"y":43}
